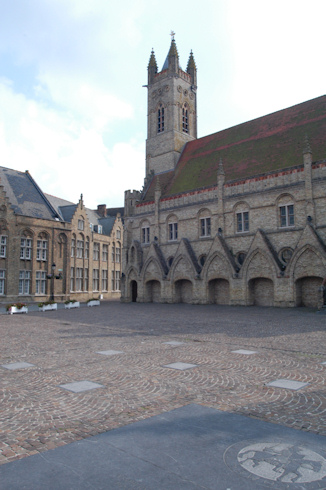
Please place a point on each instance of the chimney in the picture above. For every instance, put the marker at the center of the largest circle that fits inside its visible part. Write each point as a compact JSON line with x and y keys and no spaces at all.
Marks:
{"x":101,"y":209}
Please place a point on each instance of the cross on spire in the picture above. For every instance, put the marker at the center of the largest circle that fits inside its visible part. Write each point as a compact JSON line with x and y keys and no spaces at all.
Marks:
{"x":172,"y":34}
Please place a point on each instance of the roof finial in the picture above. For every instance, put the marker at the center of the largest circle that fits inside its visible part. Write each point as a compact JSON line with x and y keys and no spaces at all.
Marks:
{"x":172,"y":34}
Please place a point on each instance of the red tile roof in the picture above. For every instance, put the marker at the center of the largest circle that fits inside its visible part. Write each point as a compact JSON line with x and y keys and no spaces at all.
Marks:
{"x":267,"y":144}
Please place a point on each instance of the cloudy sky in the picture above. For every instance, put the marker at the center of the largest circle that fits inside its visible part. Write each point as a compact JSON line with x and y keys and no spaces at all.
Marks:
{"x":72,"y":105}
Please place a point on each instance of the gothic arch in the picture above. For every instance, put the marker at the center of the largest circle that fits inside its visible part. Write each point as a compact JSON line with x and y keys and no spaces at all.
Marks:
{"x":151,"y":270}
{"x":259,"y":264}
{"x":181,"y":268}
{"x":307,"y":261}
{"x":216,"y":267}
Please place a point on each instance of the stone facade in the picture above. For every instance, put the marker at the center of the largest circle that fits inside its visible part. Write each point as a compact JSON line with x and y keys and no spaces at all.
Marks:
{"x":54,"y":248}
{"x":253,"y":234}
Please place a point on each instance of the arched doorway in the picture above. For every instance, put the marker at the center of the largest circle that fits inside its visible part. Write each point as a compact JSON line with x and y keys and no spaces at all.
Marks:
{"x":219,"y":291}
{"x":133,"y":289}
{"x":183,"y":291}
{"x":261,"y":292}
{"x":308,"y":291}
{"x":153,"y":292}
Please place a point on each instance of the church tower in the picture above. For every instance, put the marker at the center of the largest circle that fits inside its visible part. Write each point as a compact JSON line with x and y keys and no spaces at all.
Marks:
{"x":172,"y":110}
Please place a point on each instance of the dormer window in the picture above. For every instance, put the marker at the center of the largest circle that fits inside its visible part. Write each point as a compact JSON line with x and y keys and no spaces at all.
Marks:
{"x":160,"y":119}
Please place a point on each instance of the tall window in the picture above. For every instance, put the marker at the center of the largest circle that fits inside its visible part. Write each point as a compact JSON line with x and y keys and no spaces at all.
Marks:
{"x":104,"y":280}
{"x":117,"y":254}
{"x":113,"y":253}
{"x":72,"y":279}
{"x":242,"y":221}
{"x":85,"y":279}
{"x":145,"y":234}
{"x":80,"y":249}
{"x":205,"y":227}
{"x":112,"y":281}
{"x":24,"y":282}
{"x":96,"y":280}
{"x":105,"y":253}
{"x":87,"y":248}
{"x":118,"y":233}
{"x":3,"y":246}
{"x":173,"y":231}
{"x":160,"y":119}
{"x":185,"y":127}
{"x":287,"y":215}
{"x":2,"y":281}
{"x":41,"y":250}
{"x":26,"y":248}
{"x":73,"y":246}
{"x":80,"y":224}
{"x":40,"y":282}
{"x":96,"y":251}
{"x":117,"y":280}
{"x":79,"y":279}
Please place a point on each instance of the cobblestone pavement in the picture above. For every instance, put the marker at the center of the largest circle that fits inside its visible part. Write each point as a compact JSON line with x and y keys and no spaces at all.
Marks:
{"x":37,"y":414}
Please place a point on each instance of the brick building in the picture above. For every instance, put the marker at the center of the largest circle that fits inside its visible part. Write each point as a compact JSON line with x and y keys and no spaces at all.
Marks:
{"x":52,"y":247}
{"x":237,"y":217}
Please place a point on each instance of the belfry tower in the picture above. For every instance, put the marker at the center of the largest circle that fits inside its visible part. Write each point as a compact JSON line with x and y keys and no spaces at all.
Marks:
{"x":172,"y":110}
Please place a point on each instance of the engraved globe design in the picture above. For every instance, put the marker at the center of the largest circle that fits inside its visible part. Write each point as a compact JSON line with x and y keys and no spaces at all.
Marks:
{"x":283,"y":462}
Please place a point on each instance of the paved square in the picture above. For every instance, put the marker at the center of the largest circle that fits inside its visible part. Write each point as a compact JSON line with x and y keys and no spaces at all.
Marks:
{"x":17,"y":365}
{"x":180,"y":365}
{"x":289,"y":384}
{"x":80,"y":386}
{"x":173,"y":342}
{"x":37,"y":415}
{"x":109,"y":352}
{"x":244,"y":352}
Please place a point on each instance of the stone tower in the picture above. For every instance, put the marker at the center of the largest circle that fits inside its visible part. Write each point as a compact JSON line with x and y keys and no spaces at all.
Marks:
{"x":172,"y":110}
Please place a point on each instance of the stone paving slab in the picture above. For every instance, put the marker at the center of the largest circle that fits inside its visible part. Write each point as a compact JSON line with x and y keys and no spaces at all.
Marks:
{"x":192,"y":447}
{"x":38,"y":415}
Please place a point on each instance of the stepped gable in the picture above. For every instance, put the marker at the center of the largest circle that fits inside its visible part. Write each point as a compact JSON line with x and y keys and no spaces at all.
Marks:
{"x":267,"y":144}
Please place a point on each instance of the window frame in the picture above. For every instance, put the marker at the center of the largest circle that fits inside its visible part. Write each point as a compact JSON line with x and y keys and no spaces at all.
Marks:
{"x":24,"y":286}
{"x":96,"y":251}
{"x":3,"y":246}
{"x":205,"y":224}
{"x":145,"y":235}
{"x":160,"y":119}
{"x":173,"y":231}
{"x":26,"y":247}
{"x":2,"y":282}
{"x":40,"y":283}
{"x":285,"y":220}
{"x":41,"y":250}
{"x":242,"y":222}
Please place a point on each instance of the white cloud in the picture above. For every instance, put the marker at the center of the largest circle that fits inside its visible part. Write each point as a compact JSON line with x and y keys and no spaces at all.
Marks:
{"x":64,"y":156}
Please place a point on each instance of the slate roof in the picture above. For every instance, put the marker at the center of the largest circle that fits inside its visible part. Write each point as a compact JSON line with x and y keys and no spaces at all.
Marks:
{"x":24,"y":195}
{"x":267,"y":144}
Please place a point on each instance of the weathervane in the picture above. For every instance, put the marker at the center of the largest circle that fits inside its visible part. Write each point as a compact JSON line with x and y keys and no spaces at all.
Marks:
{"x":172,"y":35}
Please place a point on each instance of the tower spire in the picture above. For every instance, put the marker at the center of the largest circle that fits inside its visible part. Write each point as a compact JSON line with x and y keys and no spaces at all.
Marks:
{"x":152,"y":67}
{"x":192,"y":69}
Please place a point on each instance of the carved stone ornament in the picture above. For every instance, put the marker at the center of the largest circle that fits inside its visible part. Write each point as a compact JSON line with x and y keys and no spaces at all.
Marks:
{"x":179,"y":88}
{"x":185,"y":92}
{"x":166,"y":88}
{"x":154,"y":94}
{"x":191,"y":96}
{"x":159,"y":91}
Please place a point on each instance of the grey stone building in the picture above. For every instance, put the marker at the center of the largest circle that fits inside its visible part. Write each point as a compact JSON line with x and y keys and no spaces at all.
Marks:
{"x":237,"y":217}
